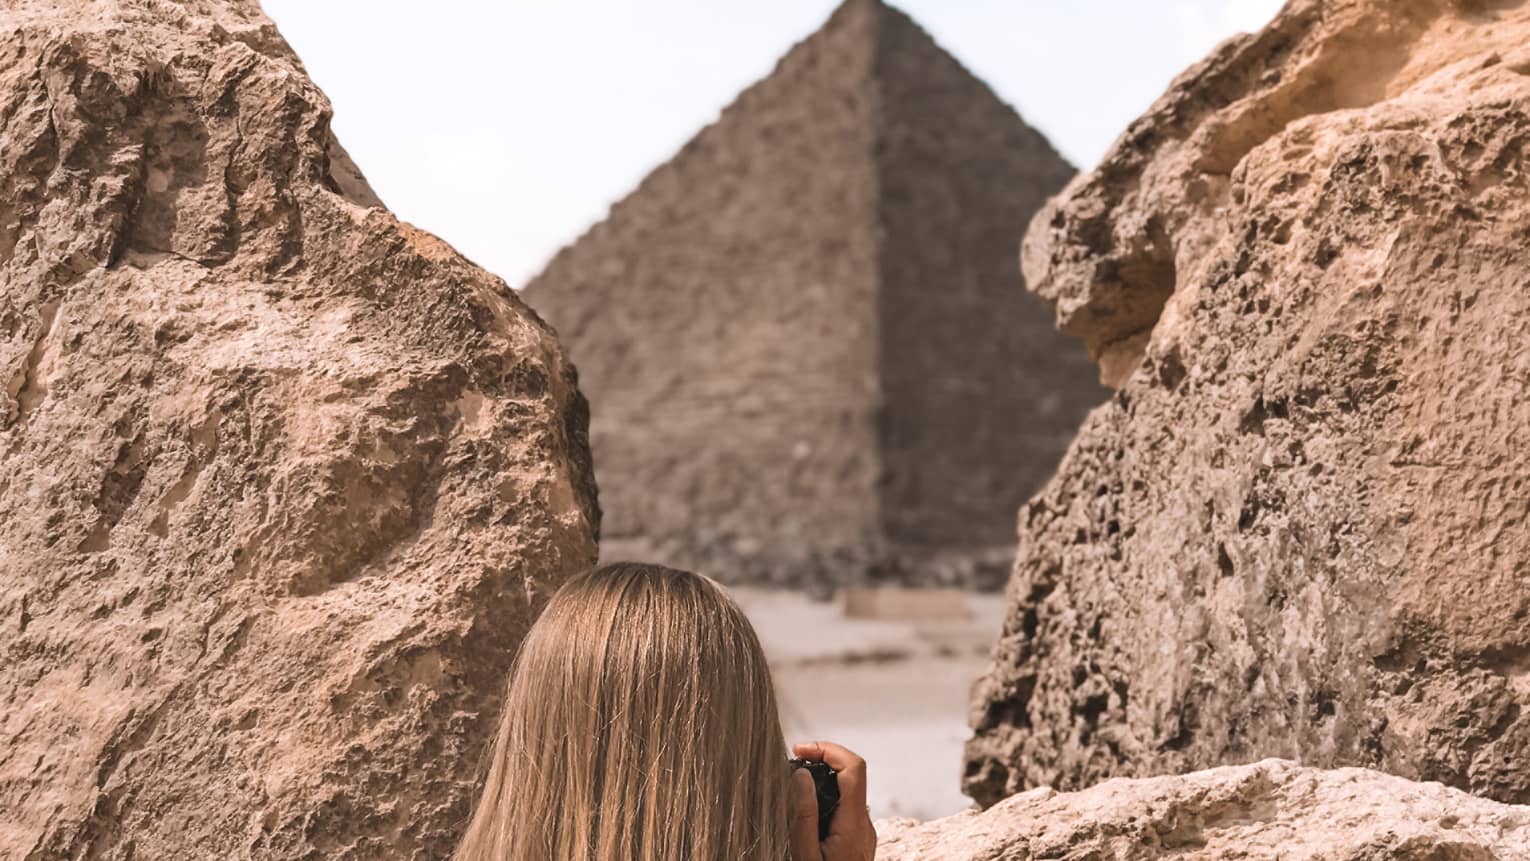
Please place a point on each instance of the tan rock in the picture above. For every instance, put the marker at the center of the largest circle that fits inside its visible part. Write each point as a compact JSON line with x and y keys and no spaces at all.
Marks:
{"x":1270,"y":811}
{"x":1300,"y":529}
{"x":280,"y":476}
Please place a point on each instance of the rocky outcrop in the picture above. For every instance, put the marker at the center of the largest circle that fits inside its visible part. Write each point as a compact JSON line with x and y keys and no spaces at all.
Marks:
{"x":1270,"y":811}
{"x":281,"y":477}
{"x":807,"y":351}
{"x":1300,"y":528}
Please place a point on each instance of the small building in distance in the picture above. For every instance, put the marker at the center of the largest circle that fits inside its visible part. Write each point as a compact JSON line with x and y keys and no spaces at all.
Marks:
{"x":809,"y":355}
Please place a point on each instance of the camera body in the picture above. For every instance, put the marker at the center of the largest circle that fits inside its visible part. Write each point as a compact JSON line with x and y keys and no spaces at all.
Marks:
{"x":827,"y":786}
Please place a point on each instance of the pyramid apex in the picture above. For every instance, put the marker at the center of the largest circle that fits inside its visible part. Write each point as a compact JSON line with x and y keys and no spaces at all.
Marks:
{"x":877,"y":12}
{"x":868,"y":7}
{"x":851,"y":10}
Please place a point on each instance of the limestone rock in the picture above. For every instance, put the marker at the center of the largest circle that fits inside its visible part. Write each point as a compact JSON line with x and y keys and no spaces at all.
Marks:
{"x":281,"y":477}
{"x":1300,"y":527}
{"x":1269,"y":811}
{"x":807,"y":351}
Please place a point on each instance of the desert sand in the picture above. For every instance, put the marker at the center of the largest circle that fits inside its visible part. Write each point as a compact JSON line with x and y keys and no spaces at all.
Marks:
{"x":893,"y":691}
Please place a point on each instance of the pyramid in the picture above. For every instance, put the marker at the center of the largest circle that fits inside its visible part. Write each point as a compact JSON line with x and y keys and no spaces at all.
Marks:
{"x":808,"y":350}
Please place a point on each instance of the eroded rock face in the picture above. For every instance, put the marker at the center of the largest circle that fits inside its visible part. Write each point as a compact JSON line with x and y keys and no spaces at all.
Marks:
{"x":282,"y":477}
{"x":1300,"y":528}
{"x":1270,"y":811}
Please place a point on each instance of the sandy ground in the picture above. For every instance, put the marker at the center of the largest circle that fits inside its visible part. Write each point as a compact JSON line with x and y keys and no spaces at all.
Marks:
{"x":895,"y":692}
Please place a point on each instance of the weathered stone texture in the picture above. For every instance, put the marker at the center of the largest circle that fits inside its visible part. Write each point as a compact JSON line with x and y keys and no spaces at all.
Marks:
{"x":280,"y":476}
{"x":1270,"y":811}
{"x":980,"y":394}
{"x":804,"y":340}
{"x":1300,"y":527}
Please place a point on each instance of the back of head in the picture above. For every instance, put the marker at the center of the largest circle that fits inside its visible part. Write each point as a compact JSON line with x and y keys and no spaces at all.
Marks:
{"x":640,"y":724}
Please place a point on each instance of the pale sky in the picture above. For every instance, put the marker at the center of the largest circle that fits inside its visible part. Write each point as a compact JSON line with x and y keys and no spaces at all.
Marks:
{"x":508,"y":127}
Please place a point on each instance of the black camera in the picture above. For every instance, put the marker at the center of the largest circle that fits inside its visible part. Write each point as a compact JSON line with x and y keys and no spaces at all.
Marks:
{"x":827,"y":785}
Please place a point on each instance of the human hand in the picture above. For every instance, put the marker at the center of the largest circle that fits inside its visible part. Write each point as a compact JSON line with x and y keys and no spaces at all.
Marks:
{"x":851,"y":835}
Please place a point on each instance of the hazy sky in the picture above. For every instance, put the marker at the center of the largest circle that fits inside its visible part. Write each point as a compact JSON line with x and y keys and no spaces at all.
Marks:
{"x":509,"y":127}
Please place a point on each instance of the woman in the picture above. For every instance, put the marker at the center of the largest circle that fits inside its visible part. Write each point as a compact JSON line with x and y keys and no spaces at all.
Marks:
{"x":641,"y":725}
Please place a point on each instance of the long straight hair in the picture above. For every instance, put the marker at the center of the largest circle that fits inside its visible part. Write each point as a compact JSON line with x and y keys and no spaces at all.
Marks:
{"x":640,"y":725}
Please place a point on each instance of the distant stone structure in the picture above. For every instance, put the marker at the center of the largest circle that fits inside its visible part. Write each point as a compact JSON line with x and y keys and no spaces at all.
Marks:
{"x":808,"y":350}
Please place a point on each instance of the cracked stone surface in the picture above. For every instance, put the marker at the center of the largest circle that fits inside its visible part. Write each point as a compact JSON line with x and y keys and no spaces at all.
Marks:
{"x":1300,"y":527}
{"x":282,"y":478}
{"x":1269,"y":811}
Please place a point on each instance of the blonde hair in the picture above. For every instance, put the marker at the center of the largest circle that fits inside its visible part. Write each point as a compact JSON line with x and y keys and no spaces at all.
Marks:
{"x":640,"y":725}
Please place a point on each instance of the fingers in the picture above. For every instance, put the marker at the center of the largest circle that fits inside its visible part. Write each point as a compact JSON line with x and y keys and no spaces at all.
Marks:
{"x":804,"y":812}
{"x":850,"y":767}
{"x":851,"y":834}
